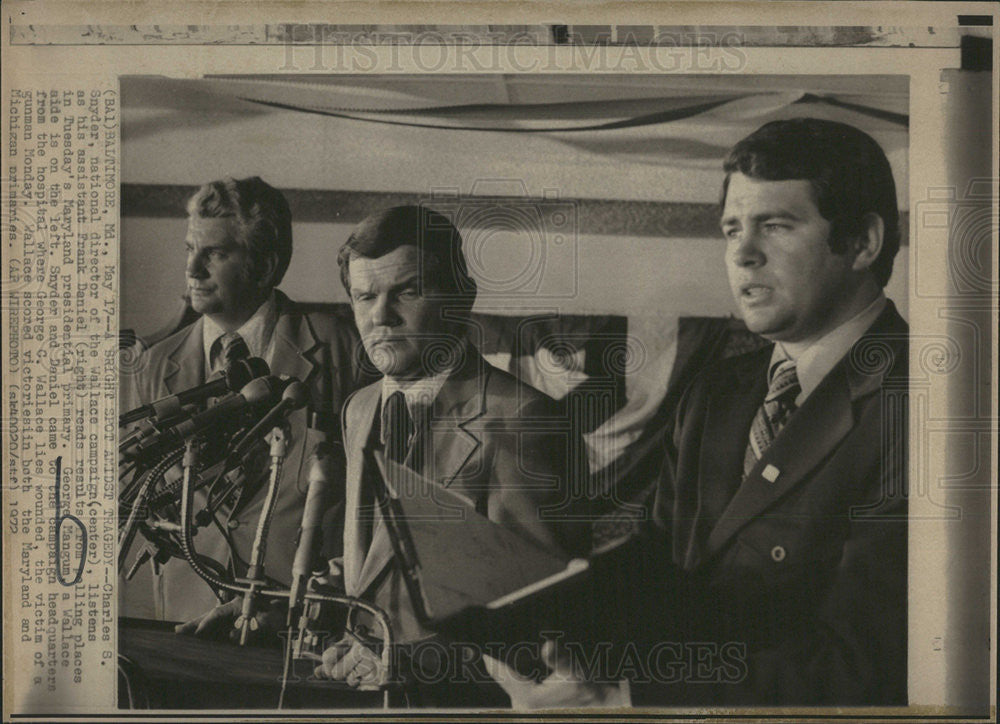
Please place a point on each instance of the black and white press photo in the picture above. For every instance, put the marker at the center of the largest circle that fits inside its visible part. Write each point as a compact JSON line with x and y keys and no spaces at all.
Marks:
{"x":652,"y":328}
{"x":613,"y":368}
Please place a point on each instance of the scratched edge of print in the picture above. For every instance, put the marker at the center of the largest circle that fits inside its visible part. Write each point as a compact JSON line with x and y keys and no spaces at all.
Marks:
{"x":489,"y":35}
{"x":75,"y":372}
{"x":37,"y":497}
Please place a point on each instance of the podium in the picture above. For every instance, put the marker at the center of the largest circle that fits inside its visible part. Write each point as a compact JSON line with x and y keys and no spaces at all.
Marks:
{"x":159,"y":669}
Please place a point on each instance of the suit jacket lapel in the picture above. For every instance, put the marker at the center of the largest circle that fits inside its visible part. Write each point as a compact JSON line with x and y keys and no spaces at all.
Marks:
{"x":296,"y":350}
{"x":185,"y":363}
{"x":812,"y":432}
{"x":730,"y":410}
{"x":358,"y":432}
{"x":460,"y":401}
{"x":379,"y":555}
{"x":298,"y":354}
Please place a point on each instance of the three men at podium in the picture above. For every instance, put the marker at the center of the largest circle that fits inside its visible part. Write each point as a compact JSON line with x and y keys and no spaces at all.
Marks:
{"x":778,"y":521}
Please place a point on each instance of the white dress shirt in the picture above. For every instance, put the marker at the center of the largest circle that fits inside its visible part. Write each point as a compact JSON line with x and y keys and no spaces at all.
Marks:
{"x":419,"y":394}
{"x":257,"y":332}
{"x":814,"y":360}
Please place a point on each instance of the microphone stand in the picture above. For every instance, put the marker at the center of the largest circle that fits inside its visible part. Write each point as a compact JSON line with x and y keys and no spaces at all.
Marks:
{"x":239,"y":446}
{"x":255,"y":584}
{"x":127,"y":533}
{"x":312,"y":515}
{"x":230,"y":379}
{"x":255,"y":573}
{"x":303,"y":637}
{"x":256,"y":588}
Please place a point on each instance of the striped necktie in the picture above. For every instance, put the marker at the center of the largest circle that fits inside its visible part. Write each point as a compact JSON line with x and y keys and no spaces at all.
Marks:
{"x":773,"y":414}
{"x":227,"y":349}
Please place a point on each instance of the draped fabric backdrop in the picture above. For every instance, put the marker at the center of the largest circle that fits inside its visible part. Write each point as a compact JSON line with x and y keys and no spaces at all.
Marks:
{"x":576,"y":194}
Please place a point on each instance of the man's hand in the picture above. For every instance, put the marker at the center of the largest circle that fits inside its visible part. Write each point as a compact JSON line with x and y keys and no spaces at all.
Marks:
{"x":218,"y":623}
{"x":564,"y":687}
{"x":351,"y":661}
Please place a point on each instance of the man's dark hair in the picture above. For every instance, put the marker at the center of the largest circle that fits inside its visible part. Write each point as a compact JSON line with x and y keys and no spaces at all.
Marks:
{"x":260,"y":212}
{"x":848,"y":171}
{"x":443,"y":268}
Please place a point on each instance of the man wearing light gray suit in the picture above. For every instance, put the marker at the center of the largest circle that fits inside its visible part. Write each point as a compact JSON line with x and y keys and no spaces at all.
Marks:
{"x":440,"y":409}
{"x":239,"y":244}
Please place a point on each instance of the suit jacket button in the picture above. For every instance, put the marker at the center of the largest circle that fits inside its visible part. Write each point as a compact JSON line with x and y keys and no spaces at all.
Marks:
{"x":777,"y":554}
{"x":233,"y":524}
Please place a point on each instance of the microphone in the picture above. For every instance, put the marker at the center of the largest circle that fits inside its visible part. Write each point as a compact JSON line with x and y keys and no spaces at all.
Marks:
{"x":295,"y":395}
{"x":333,"y":532}
{"x":234,"y":377}
{"x":147,"y":429}
{"x":257,"y":392}
{"x":321,"y":415}
{"x":317,"y":500}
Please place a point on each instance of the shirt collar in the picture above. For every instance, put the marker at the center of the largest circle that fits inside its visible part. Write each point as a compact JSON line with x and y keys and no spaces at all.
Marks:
{"x":813,"y":361}
{"x":419,"y":393}
{"x":257,"y":331}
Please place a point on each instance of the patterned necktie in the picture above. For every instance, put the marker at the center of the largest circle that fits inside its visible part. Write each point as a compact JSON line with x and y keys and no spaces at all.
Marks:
{"x":779,"y":404}
{"x":398,"y":427}
{"x":227,"y":349}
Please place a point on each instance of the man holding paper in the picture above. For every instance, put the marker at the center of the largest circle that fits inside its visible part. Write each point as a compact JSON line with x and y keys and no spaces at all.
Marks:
{"x":440,"y":410}
{"x":779,"y":519}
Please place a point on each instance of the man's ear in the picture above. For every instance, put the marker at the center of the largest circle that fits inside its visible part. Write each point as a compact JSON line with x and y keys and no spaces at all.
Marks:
{"x":868,"y":244}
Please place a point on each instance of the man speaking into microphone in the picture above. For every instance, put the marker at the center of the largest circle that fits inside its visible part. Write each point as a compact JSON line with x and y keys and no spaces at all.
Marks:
{"x":239,"y":245}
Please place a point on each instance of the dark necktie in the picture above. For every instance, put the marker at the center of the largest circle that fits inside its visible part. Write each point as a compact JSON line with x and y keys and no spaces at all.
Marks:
{"x":398,"y":427}
{"x":773,"y":414}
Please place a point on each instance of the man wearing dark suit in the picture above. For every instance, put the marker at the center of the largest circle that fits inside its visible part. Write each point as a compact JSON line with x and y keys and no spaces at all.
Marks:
{"x":775,"y":569}
{"x":239,"y":245}
{"x":440,"y":409}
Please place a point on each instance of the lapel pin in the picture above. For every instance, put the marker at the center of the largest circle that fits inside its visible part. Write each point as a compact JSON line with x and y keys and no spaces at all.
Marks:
{"x":770,"y":473}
